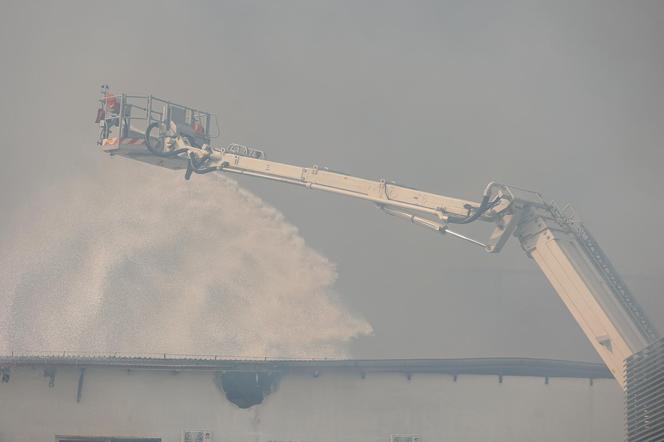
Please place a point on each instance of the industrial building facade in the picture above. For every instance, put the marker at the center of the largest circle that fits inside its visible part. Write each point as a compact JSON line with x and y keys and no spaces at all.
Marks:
{"x":124,"y":399}
{"x":644,"y":372}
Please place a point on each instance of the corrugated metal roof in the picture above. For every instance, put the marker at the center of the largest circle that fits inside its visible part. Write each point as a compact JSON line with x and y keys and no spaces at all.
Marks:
{"x":479,"y":366}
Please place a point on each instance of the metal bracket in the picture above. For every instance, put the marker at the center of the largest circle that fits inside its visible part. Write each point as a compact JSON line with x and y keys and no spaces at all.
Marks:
{"x":505,"y":227}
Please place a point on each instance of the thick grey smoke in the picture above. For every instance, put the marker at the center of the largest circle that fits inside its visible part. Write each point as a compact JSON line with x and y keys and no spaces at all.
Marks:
{"x":141,"y":261}
{"x":564,"y":98}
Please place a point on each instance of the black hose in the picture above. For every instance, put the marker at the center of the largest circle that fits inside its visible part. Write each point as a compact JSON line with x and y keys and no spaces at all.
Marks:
{"x":206,"y":170}
{"x":473,"y":215}
{"x":190,"y":170}
{"x":193,"y":166}
{"x":485,"y":205}
{"x":154,"y":149}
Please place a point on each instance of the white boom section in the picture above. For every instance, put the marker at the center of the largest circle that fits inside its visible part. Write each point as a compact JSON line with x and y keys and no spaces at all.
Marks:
{"x":587,"y":283}
{"x":564,"y":250}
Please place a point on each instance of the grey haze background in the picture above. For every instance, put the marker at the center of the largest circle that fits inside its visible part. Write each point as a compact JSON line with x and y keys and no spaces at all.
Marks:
{"x":562,"y":97}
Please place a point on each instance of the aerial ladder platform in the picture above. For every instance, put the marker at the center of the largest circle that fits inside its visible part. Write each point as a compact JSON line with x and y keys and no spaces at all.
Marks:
{"x":561,"y":246}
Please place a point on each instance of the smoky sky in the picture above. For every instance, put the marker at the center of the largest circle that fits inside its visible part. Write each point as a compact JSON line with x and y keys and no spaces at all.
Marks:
{"x":565,"y":98}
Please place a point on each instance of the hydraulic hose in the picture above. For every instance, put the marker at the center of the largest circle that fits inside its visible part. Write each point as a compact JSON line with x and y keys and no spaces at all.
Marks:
{"x":153,"y":149}
{"x":476,"y":212}
{"x":194,"y":167}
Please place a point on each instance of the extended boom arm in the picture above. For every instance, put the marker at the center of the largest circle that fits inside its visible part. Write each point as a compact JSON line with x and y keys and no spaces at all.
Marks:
{"x":561,"y":246}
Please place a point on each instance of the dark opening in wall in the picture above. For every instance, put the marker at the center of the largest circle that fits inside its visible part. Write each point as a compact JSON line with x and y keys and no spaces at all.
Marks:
{"x":246,"y":389}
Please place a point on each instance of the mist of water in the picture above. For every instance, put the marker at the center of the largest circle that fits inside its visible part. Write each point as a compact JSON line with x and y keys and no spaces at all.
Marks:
{"x":139,"y":261}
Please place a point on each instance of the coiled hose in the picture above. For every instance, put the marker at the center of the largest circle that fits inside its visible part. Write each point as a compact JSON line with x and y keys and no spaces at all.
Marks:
{"x":154,"y":149}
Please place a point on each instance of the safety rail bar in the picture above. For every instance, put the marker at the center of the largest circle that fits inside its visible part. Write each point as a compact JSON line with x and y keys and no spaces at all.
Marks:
{"x":147,"y":104}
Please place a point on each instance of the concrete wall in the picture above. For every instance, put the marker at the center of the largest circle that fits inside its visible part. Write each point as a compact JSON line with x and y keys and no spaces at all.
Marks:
{"x":334,"y":406}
